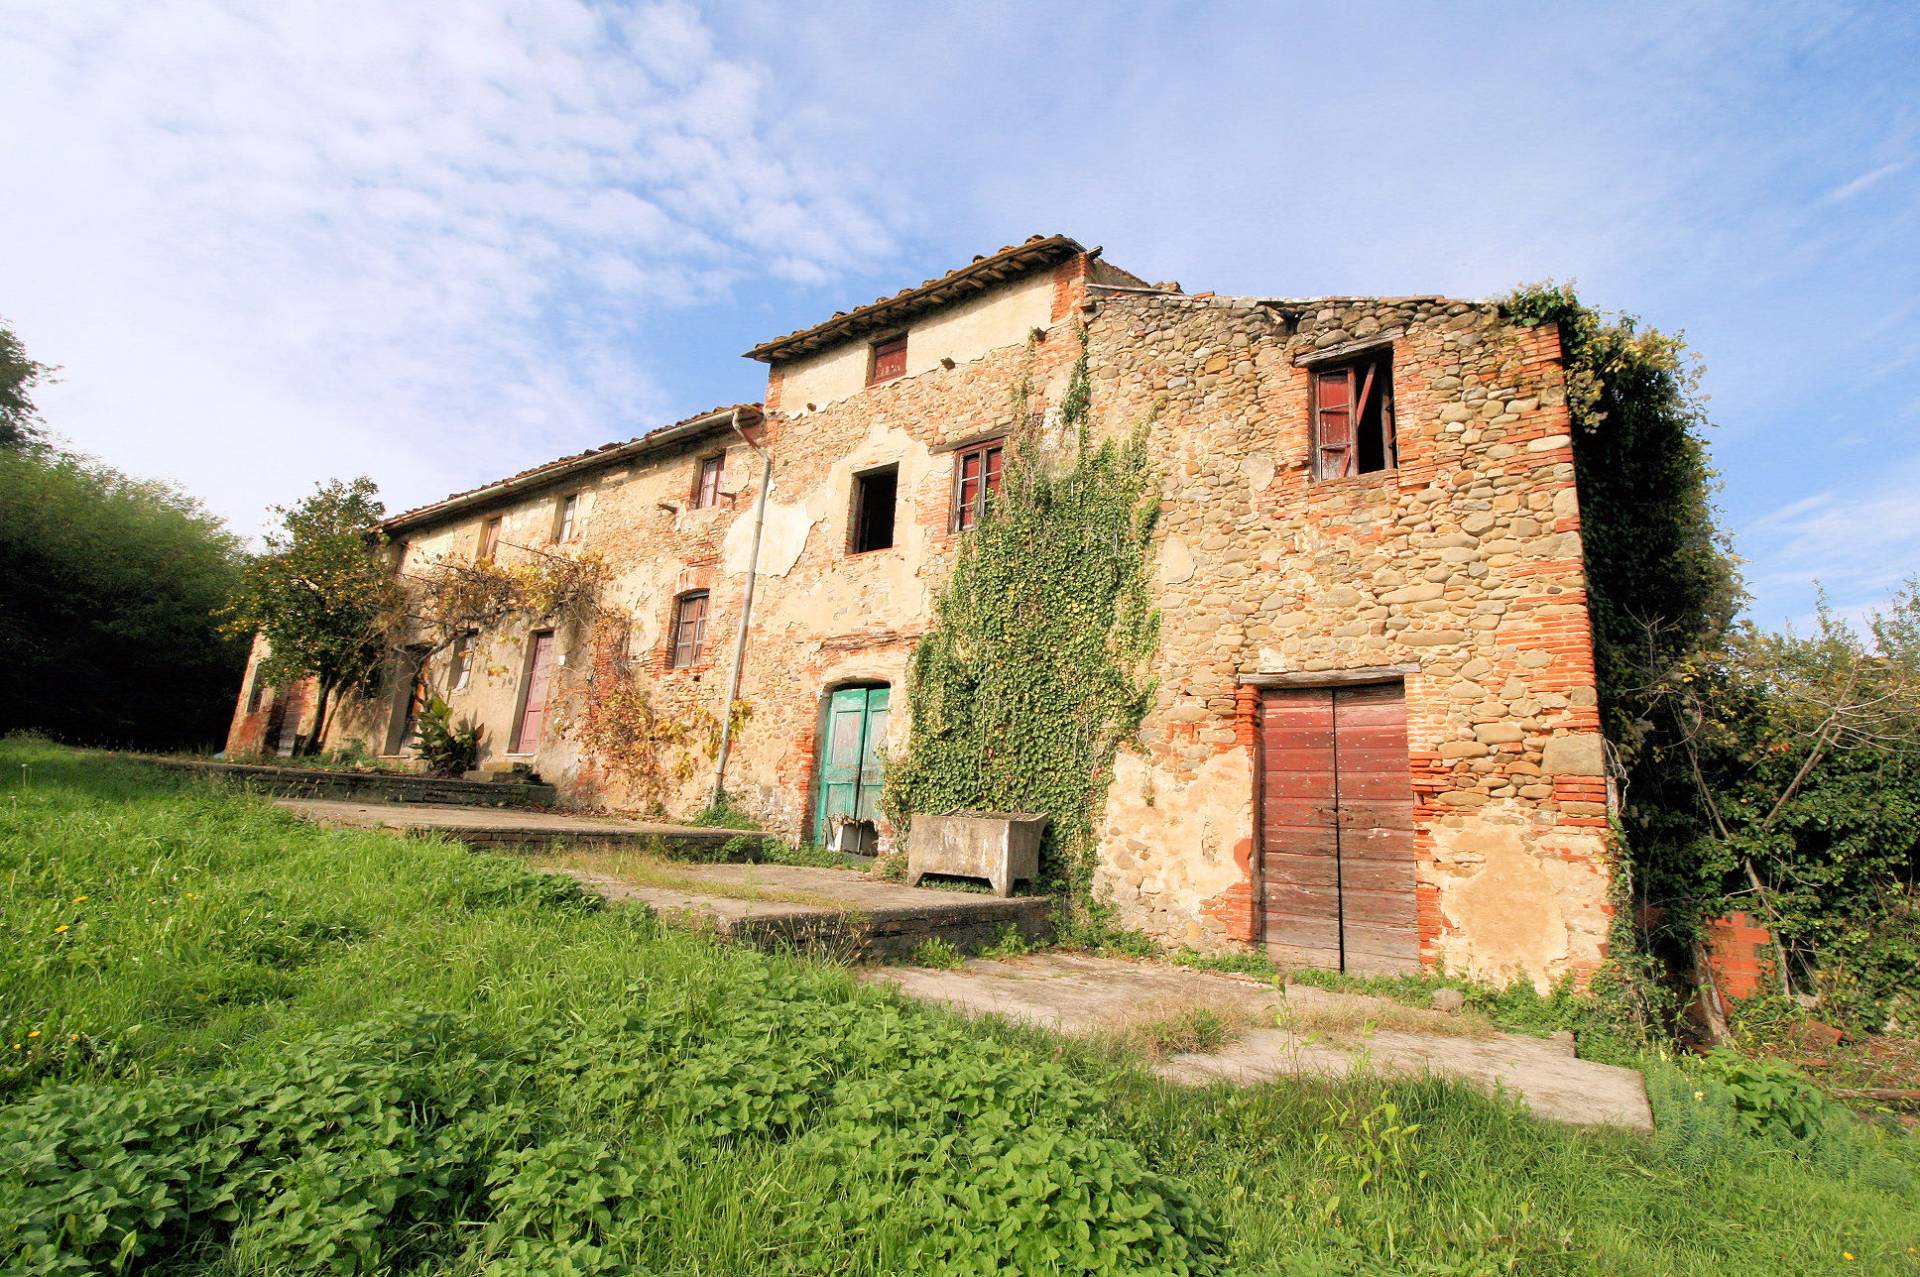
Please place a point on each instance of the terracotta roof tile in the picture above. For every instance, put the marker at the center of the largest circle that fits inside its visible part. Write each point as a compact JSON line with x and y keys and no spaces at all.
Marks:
{"x":1014,"y":259}
{"x":461,"y":502}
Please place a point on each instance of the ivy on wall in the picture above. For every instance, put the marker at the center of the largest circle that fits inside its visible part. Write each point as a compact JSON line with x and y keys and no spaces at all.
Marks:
{"x":1034,"y":670}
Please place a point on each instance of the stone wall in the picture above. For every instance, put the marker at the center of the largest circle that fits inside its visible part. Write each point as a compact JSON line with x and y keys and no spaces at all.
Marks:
{"x":1462,"y":566}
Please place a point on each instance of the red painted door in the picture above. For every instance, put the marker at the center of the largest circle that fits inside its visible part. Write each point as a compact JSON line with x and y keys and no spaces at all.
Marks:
{"x":1336,"y":829}
{"x":533,"y":713}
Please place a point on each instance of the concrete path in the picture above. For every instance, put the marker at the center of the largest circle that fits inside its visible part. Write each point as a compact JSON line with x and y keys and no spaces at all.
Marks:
{"x":839,"y":911}
{"x":1300,"y":1030}
{"x":500,"y":826}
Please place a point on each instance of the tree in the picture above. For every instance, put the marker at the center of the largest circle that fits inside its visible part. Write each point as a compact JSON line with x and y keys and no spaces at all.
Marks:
{"x":108,"y":588}
{"x":323,"y":596}
{"x":19,"y":418}
{"x":1804,"y":757}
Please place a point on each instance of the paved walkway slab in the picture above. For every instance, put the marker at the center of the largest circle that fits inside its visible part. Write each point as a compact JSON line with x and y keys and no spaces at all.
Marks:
{"x":1295,"y":1031}
{"x":501,"y":826}
{"x":837,"y":911}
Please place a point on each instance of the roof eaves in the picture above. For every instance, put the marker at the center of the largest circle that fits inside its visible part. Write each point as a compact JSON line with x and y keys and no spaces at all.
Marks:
{"x":979,"y":274}
{"x":460,"y":503}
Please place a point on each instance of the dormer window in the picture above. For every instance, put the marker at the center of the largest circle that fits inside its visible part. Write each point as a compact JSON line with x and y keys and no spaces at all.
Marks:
{"x":889,"y":360}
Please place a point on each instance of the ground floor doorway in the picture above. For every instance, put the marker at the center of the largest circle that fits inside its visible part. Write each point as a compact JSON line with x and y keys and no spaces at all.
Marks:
{"x":852,"y":769}
{"x":1336,"y":829}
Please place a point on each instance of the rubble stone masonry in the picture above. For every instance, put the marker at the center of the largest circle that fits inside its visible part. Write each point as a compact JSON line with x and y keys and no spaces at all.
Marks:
{"x":1457,"y":572}
{"x":1461,"y":566}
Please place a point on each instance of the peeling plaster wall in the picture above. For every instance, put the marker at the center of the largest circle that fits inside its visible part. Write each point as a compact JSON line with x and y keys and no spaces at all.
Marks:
{"x":1463,"y":564}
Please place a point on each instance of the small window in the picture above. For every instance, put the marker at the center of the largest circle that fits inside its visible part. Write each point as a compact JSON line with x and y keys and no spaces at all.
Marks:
{"x":489,"y":540}
{"x":1353,"y":418}
{"x":254,"y":693}
{"x":976,"y":477}
{"x":706,"y":486}
{"x":889,"y":360}
{"x":463,"y":660}
{"x":689,"y":629}
{"x":874,"y":497}
{"x":569,"y":508}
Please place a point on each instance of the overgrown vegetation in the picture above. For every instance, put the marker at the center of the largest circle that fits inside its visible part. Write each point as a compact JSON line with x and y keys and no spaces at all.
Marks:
{"x":250,"y":1045}
{"x":1774,"y":773}
{"x":324,"y":595}
{"x":1034,"y":670}
{"x":446,"y":747}
{"x":108,"y":586}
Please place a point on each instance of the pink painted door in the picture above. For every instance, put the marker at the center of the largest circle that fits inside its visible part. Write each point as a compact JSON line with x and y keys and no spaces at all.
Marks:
{"x":526,"y":738}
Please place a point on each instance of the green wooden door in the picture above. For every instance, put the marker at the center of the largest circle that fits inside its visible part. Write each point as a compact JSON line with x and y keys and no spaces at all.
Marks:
{"x":851,"y":770}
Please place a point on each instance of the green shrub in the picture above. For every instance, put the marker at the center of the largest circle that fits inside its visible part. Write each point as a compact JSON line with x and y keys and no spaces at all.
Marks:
{"x":448,"y":748}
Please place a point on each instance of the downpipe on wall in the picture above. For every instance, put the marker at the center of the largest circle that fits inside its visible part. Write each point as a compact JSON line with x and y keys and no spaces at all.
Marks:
{"x":746,"y":611}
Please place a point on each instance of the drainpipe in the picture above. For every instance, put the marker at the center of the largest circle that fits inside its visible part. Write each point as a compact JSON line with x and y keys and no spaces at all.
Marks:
{"x":746,"y":611}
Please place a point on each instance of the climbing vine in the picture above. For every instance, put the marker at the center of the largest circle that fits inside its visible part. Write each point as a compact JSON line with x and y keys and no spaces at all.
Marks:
{"x":650,"y":750}
{"x":446,"y":598}
{"x":1034,"y":671}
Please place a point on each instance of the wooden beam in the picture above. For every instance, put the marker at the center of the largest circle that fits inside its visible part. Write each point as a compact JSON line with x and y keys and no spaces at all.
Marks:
{"x":1331,"y":678}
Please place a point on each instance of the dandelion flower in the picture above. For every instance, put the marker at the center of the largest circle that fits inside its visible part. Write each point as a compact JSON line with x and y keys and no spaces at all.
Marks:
{"x":1847,"y":1255}
{"x":62,"y":927}
{"x":34,"y":1033}
{"x":73,"y":1037}
{"x":79,"y":900}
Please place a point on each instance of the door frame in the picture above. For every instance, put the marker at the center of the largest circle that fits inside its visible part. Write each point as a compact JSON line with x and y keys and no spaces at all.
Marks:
{"x":1359,"y":676}
{"x":823,"y":739}
{"x":514,"y":743}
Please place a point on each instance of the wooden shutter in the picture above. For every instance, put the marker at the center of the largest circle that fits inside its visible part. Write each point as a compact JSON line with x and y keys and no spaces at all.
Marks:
{"x":889,"y":360}
{"x":689,"y":630}
{"x":976,"y":476}
{"x":533,"y":711}
{"x":1333,"y":412}
{"x":708,"y":491}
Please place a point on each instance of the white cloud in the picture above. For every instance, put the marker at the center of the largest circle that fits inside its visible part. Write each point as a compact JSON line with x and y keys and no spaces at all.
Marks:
{"x":1873,"y":177}
{"x":1860,"y":542}
{"x":275,"y":242}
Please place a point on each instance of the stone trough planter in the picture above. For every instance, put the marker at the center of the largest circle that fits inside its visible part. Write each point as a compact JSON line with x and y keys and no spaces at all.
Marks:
{"x":1002,"y":847}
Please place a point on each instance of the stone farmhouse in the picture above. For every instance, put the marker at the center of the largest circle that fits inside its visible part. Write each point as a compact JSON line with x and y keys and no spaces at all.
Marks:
{"x":1375,"y":742}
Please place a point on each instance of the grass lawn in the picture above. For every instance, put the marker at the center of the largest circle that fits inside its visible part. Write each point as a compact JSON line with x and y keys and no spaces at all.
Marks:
{"x":236,"y":1043}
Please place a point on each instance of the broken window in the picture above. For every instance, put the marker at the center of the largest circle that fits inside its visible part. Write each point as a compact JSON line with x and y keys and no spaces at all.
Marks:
{"x":976,"y":476}
{"x":1353,"y":417}
{"x":706,"y":488}
{"x":489,"y":540}
{"x":689,"y":629}
{"x":569,"y":508}
{"x":889,"y":360}
{"x":874,"y":495}
{"x":259,"y":689}
{"x":463,"y":659}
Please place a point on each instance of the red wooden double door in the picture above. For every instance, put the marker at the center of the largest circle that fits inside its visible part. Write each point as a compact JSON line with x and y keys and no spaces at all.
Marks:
{"x":1336,"y":829}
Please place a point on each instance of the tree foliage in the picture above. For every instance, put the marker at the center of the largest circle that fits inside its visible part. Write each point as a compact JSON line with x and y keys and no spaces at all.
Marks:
{"x":20,"y":424}
{"x":1033,"y":672}
{"x":1770,"y":772}
{"x":108,"y":589}
{"x":1804,"y":757}
{"x":324,"y":594}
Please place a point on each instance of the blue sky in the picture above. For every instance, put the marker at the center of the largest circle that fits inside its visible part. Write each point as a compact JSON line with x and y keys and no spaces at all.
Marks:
{"x":438,"y":243}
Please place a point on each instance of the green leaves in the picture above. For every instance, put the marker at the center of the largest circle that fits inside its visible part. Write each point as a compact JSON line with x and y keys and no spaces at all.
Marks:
{"x":1034,"y":671}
